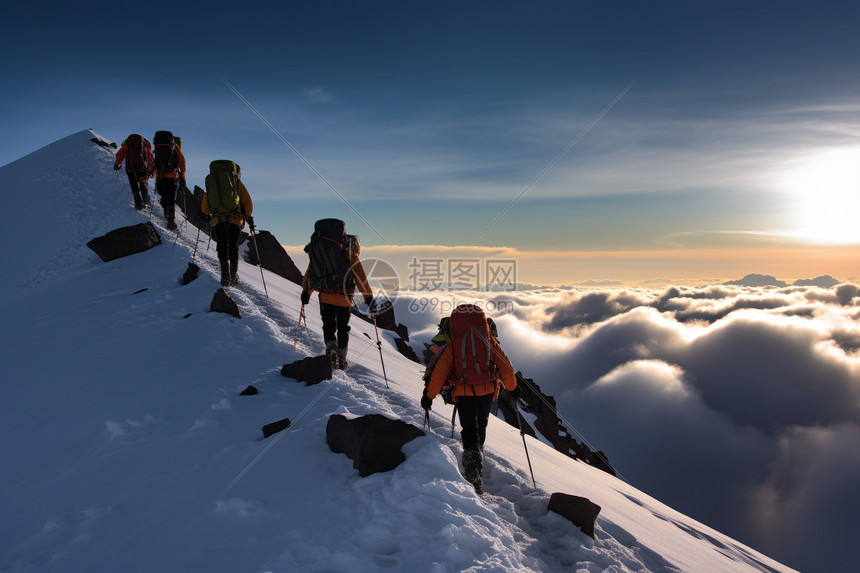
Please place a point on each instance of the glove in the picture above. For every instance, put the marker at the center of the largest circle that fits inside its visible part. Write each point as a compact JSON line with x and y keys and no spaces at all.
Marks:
{"x":207,"y":218}
{"x":306,"y":297}
{"x":250,"y":221}
{"x":116,"y":166}
{"x":516,"y":393}
{"x":371,"y":304}
{"x":426,"y":402}
{"x":181,"y":182}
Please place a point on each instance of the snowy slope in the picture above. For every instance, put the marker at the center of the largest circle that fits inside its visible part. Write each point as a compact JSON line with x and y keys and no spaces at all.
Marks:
{"x":126,"y":446}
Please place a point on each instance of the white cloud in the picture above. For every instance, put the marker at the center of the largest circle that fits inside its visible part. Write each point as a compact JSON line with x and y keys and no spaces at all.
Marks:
{"x":739,"y":406}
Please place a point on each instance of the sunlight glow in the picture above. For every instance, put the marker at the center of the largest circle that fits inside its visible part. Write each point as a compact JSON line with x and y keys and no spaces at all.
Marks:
{"x":825,"y":189}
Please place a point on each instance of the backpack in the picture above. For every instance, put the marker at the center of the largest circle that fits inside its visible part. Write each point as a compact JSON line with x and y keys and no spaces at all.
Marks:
{"x":222,"y":187}
{"x":166,"y":158}
{"x":138,"y":157}
{"x":330,"y":252}
{"x":470,"y":342}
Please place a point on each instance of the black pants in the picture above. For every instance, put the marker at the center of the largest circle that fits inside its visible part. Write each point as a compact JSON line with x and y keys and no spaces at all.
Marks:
{"x":139,"y":189}
{"x":474,"y":412}
{"x":335,"y":319}
{"x":227,"y":244}
{"x":167,"y":187}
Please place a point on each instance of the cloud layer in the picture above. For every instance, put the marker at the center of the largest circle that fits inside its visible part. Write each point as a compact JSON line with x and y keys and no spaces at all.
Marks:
{"x":739,"y":406}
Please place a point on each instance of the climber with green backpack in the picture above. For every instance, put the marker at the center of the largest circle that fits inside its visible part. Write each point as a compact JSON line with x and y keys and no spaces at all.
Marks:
{"x":228,"y":205}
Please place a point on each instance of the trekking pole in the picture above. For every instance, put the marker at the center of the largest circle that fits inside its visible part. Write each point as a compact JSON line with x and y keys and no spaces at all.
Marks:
{"x":427,"y":419}
{"x":523,"y":435}
{"x":259,"y":258}
{"x":379,"y":345}
{"x":194,"y":254}
{"x":298,"y":326}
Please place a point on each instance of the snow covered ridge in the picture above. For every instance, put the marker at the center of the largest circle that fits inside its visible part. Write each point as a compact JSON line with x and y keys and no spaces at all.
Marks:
{"x":126,"y":445}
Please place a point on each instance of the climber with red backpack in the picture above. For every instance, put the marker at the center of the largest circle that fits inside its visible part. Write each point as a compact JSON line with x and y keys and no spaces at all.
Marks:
{"x":139,"y":167}
{"x":470,"y":369}
{"x":169,"y":173}
{"x":334,"y":270}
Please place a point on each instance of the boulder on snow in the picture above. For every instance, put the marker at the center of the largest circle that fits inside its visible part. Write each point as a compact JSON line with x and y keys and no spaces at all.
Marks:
{"x":312,"y":370}
{"x":223,"y":302}
{"x":125,"y":241}
{"x":274,"y":257}
{"x":581,"y":511}
{"x":372,"y":442}
{"x":190,"y":274}
{"x":249,"y":391}
{"x":275,"y":427}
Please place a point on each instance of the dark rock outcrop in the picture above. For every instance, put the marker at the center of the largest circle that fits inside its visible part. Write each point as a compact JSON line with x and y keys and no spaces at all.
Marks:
{"x":103,"y":142}
{"x":372,"y":442}
{"x":190,"y":202}
{"x":249,"y":391}
{"x":581,"y":511}
{"x":385,"y":320}
{"x":312,"y":370}
{"x":275,"y":427}
{"x":548,"y":423}
{"x":223,"y":302}
{"x":274,"y":257}
{"x":125,"y":241}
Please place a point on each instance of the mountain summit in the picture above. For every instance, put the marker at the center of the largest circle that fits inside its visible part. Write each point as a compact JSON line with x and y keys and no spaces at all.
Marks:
{"x":128,"y":447}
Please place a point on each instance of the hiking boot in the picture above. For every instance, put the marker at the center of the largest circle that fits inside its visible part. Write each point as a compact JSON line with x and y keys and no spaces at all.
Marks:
{"x":473,"y":468}
{"x":341,"y":359}
{"x":234,"y":278}
{"x":331,"y":352}
{"x":171,"y":225}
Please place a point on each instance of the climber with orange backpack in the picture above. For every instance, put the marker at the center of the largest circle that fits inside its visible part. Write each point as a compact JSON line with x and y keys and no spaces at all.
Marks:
{"x":471,"y":366}
{"x":139,"y":167}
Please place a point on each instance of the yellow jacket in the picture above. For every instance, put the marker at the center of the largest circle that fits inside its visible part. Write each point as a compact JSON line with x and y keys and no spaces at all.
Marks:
{"x":238,"y":219}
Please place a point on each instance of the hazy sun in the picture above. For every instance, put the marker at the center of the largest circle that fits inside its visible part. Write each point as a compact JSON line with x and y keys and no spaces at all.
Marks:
{"x":825,"y":193}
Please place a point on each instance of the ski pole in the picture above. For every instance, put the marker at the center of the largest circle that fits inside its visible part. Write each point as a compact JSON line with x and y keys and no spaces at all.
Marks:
{"x":379,"y":345}
{"x":523,"y":435}
{"x":259,"y":258}
{"x":298,"y":326}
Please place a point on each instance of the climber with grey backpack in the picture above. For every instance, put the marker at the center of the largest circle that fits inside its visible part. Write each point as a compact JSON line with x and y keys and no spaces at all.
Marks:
{"x":334,"y":270}
{"x":228,"y":205}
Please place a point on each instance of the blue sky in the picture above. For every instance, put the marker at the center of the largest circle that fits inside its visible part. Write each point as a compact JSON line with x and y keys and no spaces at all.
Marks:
{"x":429,"y":119}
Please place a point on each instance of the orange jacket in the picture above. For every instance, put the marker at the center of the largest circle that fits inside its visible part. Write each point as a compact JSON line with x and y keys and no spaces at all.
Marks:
{"x":445,"y":369}
{"x":123,"y":151}
{"x":358,"y":276}
{"x":238,"y":219}
{"x":175,"y":173}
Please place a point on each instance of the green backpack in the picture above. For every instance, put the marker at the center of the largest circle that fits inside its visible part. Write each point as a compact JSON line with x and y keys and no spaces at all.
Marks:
{"x":222,"y":187}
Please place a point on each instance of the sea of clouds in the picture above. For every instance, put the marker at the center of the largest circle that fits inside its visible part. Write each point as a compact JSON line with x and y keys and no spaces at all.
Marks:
{"x":739,"y":406}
